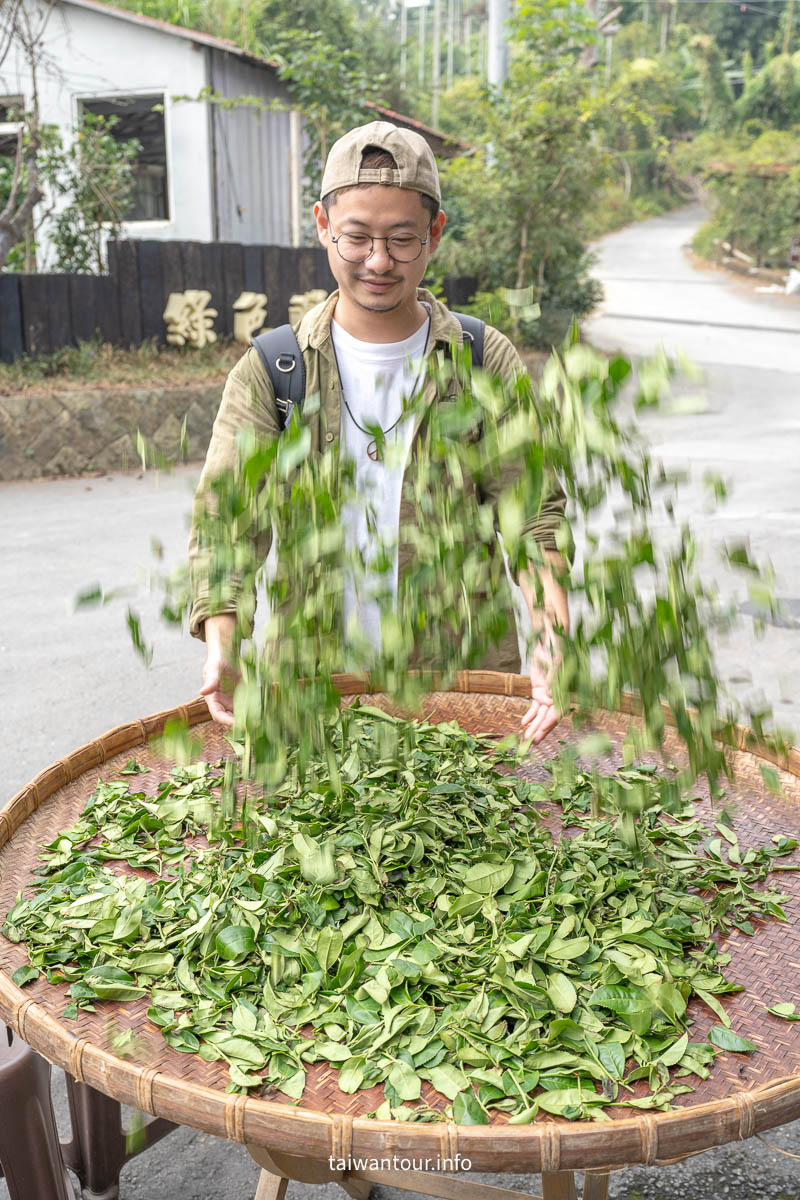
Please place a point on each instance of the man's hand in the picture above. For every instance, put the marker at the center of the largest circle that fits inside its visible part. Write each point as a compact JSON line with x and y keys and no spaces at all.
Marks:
{"x":219,"y":674}
{"x":542,"y":716}
{"x":549,"y":611}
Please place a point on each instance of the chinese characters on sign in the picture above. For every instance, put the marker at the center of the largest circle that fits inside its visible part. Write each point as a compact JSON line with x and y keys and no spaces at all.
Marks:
{"x":250,"y":313}
{"x":303,"y":302}
{"x":189,"y":319}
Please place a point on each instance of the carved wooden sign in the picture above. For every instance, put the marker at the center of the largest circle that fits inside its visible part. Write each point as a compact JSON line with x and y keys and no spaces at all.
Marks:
{"x":189,"y":319}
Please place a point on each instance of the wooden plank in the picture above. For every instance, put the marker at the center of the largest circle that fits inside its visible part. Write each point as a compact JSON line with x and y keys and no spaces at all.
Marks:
{"x":35,"y":314}
{"x":12,"y":343}
{"x":323,"y":276}
{"x":595,"y":1187}
{"x":305,"y":265}
{"x":253,"y":269}
{"x":107,"y":313}
{"x":357,"y":1188}
{"x":151,"y":291}
{"x":59,"y":316}
{"x":223,"y":322}
{"x":125,"y":275}
{"x":271,"y":1187}
{"x":171,"y":268}
{"x":233,"y":278}
{"x":277,"y":297}
{"x":193,"y":265}
{"x":446,"y":1187}
{"x":559,"y":1185}
{"x":83,"y":306}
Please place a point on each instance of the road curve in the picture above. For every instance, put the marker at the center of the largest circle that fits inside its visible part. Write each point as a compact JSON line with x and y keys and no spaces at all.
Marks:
{"x":655,"y":294}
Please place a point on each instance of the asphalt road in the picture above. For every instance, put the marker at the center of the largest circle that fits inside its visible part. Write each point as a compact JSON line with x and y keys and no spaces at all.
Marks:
{"x":70,"y":674}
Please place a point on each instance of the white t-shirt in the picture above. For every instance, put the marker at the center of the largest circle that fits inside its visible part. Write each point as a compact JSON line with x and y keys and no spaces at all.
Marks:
{"x":376,"y":379}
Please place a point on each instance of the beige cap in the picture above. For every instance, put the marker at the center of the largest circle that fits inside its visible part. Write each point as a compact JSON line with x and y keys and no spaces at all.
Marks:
{"x":416,"y":166}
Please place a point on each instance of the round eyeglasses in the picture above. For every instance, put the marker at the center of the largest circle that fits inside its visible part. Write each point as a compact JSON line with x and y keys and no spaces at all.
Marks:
{"x":401,"y":247}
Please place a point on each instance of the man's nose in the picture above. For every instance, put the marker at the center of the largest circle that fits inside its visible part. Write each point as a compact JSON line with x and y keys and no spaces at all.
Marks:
{"x":380,"y":259}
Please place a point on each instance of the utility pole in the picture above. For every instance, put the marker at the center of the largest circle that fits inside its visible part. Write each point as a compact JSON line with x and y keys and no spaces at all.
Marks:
{"x":451,"y":39}
{"x":422,"y":10}
{"x":437,"y":60}
{"x":499,"y":13}
{"x":787,"y":33}
{"x":403,"y":41}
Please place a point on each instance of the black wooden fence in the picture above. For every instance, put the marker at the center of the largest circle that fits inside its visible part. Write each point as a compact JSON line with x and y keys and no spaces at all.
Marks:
{"x":42,"y":313}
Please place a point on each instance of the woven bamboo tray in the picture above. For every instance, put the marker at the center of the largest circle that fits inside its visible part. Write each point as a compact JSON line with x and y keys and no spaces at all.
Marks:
{"x":744,"y":1094}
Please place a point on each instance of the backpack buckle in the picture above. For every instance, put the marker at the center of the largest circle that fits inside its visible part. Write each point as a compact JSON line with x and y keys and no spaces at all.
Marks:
{"x":286,"y":363}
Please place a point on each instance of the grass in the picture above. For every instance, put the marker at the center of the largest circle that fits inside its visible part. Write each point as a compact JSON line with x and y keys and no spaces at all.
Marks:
{"x":98,"y":364}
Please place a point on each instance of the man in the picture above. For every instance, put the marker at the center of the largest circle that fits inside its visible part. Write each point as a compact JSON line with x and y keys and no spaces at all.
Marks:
{"x":379,"y":218}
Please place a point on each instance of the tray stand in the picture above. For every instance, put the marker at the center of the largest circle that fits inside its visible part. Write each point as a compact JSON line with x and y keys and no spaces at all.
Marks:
{"x":279,"y":1169}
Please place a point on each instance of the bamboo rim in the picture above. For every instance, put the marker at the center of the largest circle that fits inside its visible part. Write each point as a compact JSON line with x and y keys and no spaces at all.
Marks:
{"x":547,"y":1146}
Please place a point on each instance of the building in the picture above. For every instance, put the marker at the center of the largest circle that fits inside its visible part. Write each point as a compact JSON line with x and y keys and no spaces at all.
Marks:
{"x":205,"y":172}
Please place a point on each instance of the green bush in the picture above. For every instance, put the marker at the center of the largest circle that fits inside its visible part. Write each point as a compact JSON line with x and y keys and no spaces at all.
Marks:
{"x":753,"y":185}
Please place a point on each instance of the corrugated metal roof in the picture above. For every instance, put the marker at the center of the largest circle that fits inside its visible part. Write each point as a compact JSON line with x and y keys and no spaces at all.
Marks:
{"x":412,"y":123}
{"x":191,"y":35}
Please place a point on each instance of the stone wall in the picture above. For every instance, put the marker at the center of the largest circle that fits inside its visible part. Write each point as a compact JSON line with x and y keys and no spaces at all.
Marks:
{"x":77,"y":432}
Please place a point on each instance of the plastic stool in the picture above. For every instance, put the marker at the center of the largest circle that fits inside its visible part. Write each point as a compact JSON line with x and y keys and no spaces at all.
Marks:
{"x":98,"y":1148}
{"x":30,"y":1156}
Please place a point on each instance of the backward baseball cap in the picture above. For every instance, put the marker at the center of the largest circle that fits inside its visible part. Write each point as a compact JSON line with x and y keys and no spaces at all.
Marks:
{"x":416,"y":166}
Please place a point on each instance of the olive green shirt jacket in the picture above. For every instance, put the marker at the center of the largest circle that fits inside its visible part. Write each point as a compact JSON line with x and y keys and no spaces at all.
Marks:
{"x":249,"y":401}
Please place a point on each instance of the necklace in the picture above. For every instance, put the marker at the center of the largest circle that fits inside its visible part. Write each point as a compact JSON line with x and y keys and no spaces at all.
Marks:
{"x":373,"y":450}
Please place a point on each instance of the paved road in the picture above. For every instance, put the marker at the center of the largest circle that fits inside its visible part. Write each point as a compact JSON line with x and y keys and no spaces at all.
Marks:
{"x":70,"y":675}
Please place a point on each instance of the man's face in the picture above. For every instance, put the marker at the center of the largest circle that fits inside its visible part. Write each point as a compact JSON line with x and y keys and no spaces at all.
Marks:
{"x":379,"y":284}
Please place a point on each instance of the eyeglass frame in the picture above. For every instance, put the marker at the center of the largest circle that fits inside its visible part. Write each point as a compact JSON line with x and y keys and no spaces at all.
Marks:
{"x":373,"y":239}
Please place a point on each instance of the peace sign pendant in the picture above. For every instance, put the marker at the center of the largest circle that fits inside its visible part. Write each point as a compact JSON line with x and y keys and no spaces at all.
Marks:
{"x":372,"y":450}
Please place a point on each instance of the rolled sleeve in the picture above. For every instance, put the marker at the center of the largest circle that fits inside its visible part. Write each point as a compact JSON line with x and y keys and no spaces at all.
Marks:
{"x":248,"y":404}
{"x":547,"y":525}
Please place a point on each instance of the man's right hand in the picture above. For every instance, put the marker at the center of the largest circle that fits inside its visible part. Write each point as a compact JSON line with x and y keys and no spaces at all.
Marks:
{"x":219,"y":674}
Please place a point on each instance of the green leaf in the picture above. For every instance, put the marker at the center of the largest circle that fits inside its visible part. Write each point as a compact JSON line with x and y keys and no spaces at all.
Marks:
{"x":351,"y":1075}
{"x":405,"y":1081}
{"x":112,"y":983}
{"x":235,"y":942}
{"x":562,"y":992}
{"x":25,"y":974}
{"x":488,"y":878}
{"x":468,"y":1110}
{"x":447,"y":1079}
{"x":674,"y":1053}
{"x":785,"y":1010}
{"x":726,"y":1039}
{"x":329,"y":947}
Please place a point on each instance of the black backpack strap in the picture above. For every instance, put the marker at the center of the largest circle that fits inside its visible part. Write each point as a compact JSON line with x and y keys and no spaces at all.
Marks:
{"x":283,"y":360}
{"x":473,"y":329}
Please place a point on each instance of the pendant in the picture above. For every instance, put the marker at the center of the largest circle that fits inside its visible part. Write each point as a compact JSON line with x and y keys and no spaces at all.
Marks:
{"x":372,"y":451}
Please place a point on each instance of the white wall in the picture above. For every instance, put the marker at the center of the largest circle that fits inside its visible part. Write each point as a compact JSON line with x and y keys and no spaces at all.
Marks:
{"x":90,"y":54}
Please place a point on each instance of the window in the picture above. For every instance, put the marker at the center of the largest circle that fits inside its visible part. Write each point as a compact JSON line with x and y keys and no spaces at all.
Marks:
{"x":11,"y":110}
{"x":142,"y":118}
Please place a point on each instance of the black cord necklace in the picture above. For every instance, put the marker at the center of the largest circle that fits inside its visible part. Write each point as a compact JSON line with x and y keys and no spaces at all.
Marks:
{"x":373,"y":450}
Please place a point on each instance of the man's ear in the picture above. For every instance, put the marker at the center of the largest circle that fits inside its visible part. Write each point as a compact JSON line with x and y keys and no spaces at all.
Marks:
{"x":321,"y":218}
{"x":437,"y":226}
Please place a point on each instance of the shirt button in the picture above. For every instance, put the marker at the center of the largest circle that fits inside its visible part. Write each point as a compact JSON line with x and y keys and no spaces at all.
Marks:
{"x":331,"y":385}
{"x":329,"y":437}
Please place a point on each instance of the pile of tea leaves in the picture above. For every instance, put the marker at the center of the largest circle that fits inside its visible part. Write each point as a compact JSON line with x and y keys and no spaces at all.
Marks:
{"x":403,"y":913}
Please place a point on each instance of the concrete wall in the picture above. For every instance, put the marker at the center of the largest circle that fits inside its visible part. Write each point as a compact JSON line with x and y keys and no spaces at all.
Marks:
{"x":76,"y":432}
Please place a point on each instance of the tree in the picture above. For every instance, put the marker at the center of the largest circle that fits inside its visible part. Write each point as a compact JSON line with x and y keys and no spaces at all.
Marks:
{"x":519,"y":203}
{"x":94,"y":179}
{"x":22,"y":31}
